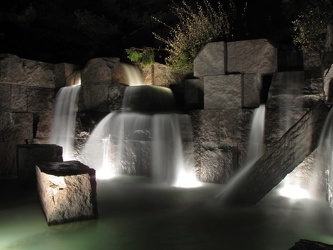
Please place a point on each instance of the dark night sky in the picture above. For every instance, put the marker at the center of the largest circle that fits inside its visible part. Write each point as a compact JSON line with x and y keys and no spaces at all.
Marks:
{"x":47,"y":32}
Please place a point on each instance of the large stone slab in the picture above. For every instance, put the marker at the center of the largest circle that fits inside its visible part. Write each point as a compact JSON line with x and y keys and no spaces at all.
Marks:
{"x":223,"y":91}
{"x":67,"y":191}
{"x":100,"y":85}
{"x":211,"y":60}
{"x":251,"y":56}
{"x":28,"y":155}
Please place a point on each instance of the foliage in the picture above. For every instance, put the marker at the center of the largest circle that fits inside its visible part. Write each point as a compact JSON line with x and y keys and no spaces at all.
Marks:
{"x":311,"y":25}
{"x":144,"y":57}
{"x":197,"y":26}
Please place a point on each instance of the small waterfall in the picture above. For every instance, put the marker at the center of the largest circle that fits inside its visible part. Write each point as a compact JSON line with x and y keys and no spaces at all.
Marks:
{"x":64,"y":120}
{"x":255,"y":148}
{"x":145,"y":138}
{"x":133,"y":75}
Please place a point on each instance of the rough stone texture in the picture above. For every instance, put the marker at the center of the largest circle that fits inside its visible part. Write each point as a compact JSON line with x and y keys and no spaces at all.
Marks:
{"x":15,"y":128}
{"x":218,"y":142}
{"x":194,"y":94}
{"x":280,"y":159}
{"x":223,"y":91}
{"x":67,"y":191}
{"x":101,"y":90}
{"x":15,"y":70}
{"x":156,"y":75}
{"x":211,"y":60}
{"x":218,"y":162}
{"x":252,"y":84}
{"x":28,"y":155}
{"x":251,"y":56}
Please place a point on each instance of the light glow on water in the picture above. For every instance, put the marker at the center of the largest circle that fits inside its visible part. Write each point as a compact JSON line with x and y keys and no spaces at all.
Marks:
{"x":187,"y":179}
{"x":293,"y":191}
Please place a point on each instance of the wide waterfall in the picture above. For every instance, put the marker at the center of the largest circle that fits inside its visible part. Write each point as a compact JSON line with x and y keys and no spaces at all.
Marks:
{"x":64,"y":120}
{"x":145,"y":138}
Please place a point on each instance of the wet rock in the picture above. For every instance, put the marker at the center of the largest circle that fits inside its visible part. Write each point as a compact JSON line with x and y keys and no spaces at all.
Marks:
{"x":67,"y":191}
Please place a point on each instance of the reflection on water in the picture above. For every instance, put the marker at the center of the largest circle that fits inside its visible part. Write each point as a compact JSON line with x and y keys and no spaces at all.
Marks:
{"x":136,"y":214}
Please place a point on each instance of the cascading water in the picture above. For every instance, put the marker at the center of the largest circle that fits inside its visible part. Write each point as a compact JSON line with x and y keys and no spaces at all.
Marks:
{"x":64,"y":120}
{"x":324,"y":160}
{"x":255,"y":148}
{"x":144,"y":138}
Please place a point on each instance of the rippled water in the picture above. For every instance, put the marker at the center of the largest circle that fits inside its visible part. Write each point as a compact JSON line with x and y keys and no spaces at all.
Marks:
{"x":136,"y":214}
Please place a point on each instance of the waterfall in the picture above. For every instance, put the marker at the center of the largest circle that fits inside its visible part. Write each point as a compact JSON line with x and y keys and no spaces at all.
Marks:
{"x":255,"y":148}
{"x":256,"y":142}
{"x":64,"y":120}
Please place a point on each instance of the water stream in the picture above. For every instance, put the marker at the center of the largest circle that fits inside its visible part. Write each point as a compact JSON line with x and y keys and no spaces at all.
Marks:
{"x":64,"y":118}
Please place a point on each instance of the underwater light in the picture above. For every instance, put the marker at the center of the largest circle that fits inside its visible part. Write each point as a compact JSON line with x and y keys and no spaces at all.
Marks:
{"x":294,"y":192}
{"x":187,"y":180}
{"x":104,"y":174}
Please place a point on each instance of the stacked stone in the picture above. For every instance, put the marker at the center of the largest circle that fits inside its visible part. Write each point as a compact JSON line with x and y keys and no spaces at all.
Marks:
{"x":27,"y":91}
{"x":230,"y":76}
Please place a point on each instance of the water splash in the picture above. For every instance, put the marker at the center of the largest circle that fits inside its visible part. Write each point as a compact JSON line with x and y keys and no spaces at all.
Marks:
{"x":64,"y":120}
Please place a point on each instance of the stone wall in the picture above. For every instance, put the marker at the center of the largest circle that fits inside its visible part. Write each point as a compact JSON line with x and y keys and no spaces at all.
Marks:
{"x":27,"y":92}
{"x":231,"y":78}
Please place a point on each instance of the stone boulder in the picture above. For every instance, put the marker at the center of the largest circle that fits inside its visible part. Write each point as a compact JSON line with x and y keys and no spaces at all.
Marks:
{"x":67,"y":191}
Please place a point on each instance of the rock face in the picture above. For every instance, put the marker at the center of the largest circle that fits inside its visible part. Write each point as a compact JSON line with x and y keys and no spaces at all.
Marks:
{"x":28,"y":155}
{"x":67,"y":191}
{"x":101,"y":90}
{"x":27,"y":92}
{"x":231,"y":77}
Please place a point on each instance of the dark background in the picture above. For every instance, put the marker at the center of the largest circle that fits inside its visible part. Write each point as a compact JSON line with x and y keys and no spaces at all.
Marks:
{"x":47,"y":30}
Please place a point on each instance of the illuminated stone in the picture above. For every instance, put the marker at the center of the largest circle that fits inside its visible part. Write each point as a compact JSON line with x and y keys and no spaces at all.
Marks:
{"x":67,"y":191}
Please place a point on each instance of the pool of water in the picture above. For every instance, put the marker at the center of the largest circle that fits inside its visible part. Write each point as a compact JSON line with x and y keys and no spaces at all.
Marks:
{"x":136,"y":214}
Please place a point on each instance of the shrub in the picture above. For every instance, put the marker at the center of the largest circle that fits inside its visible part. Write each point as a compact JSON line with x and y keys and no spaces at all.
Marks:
{"x":197,"y":27}
{"x":311,"y":26}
